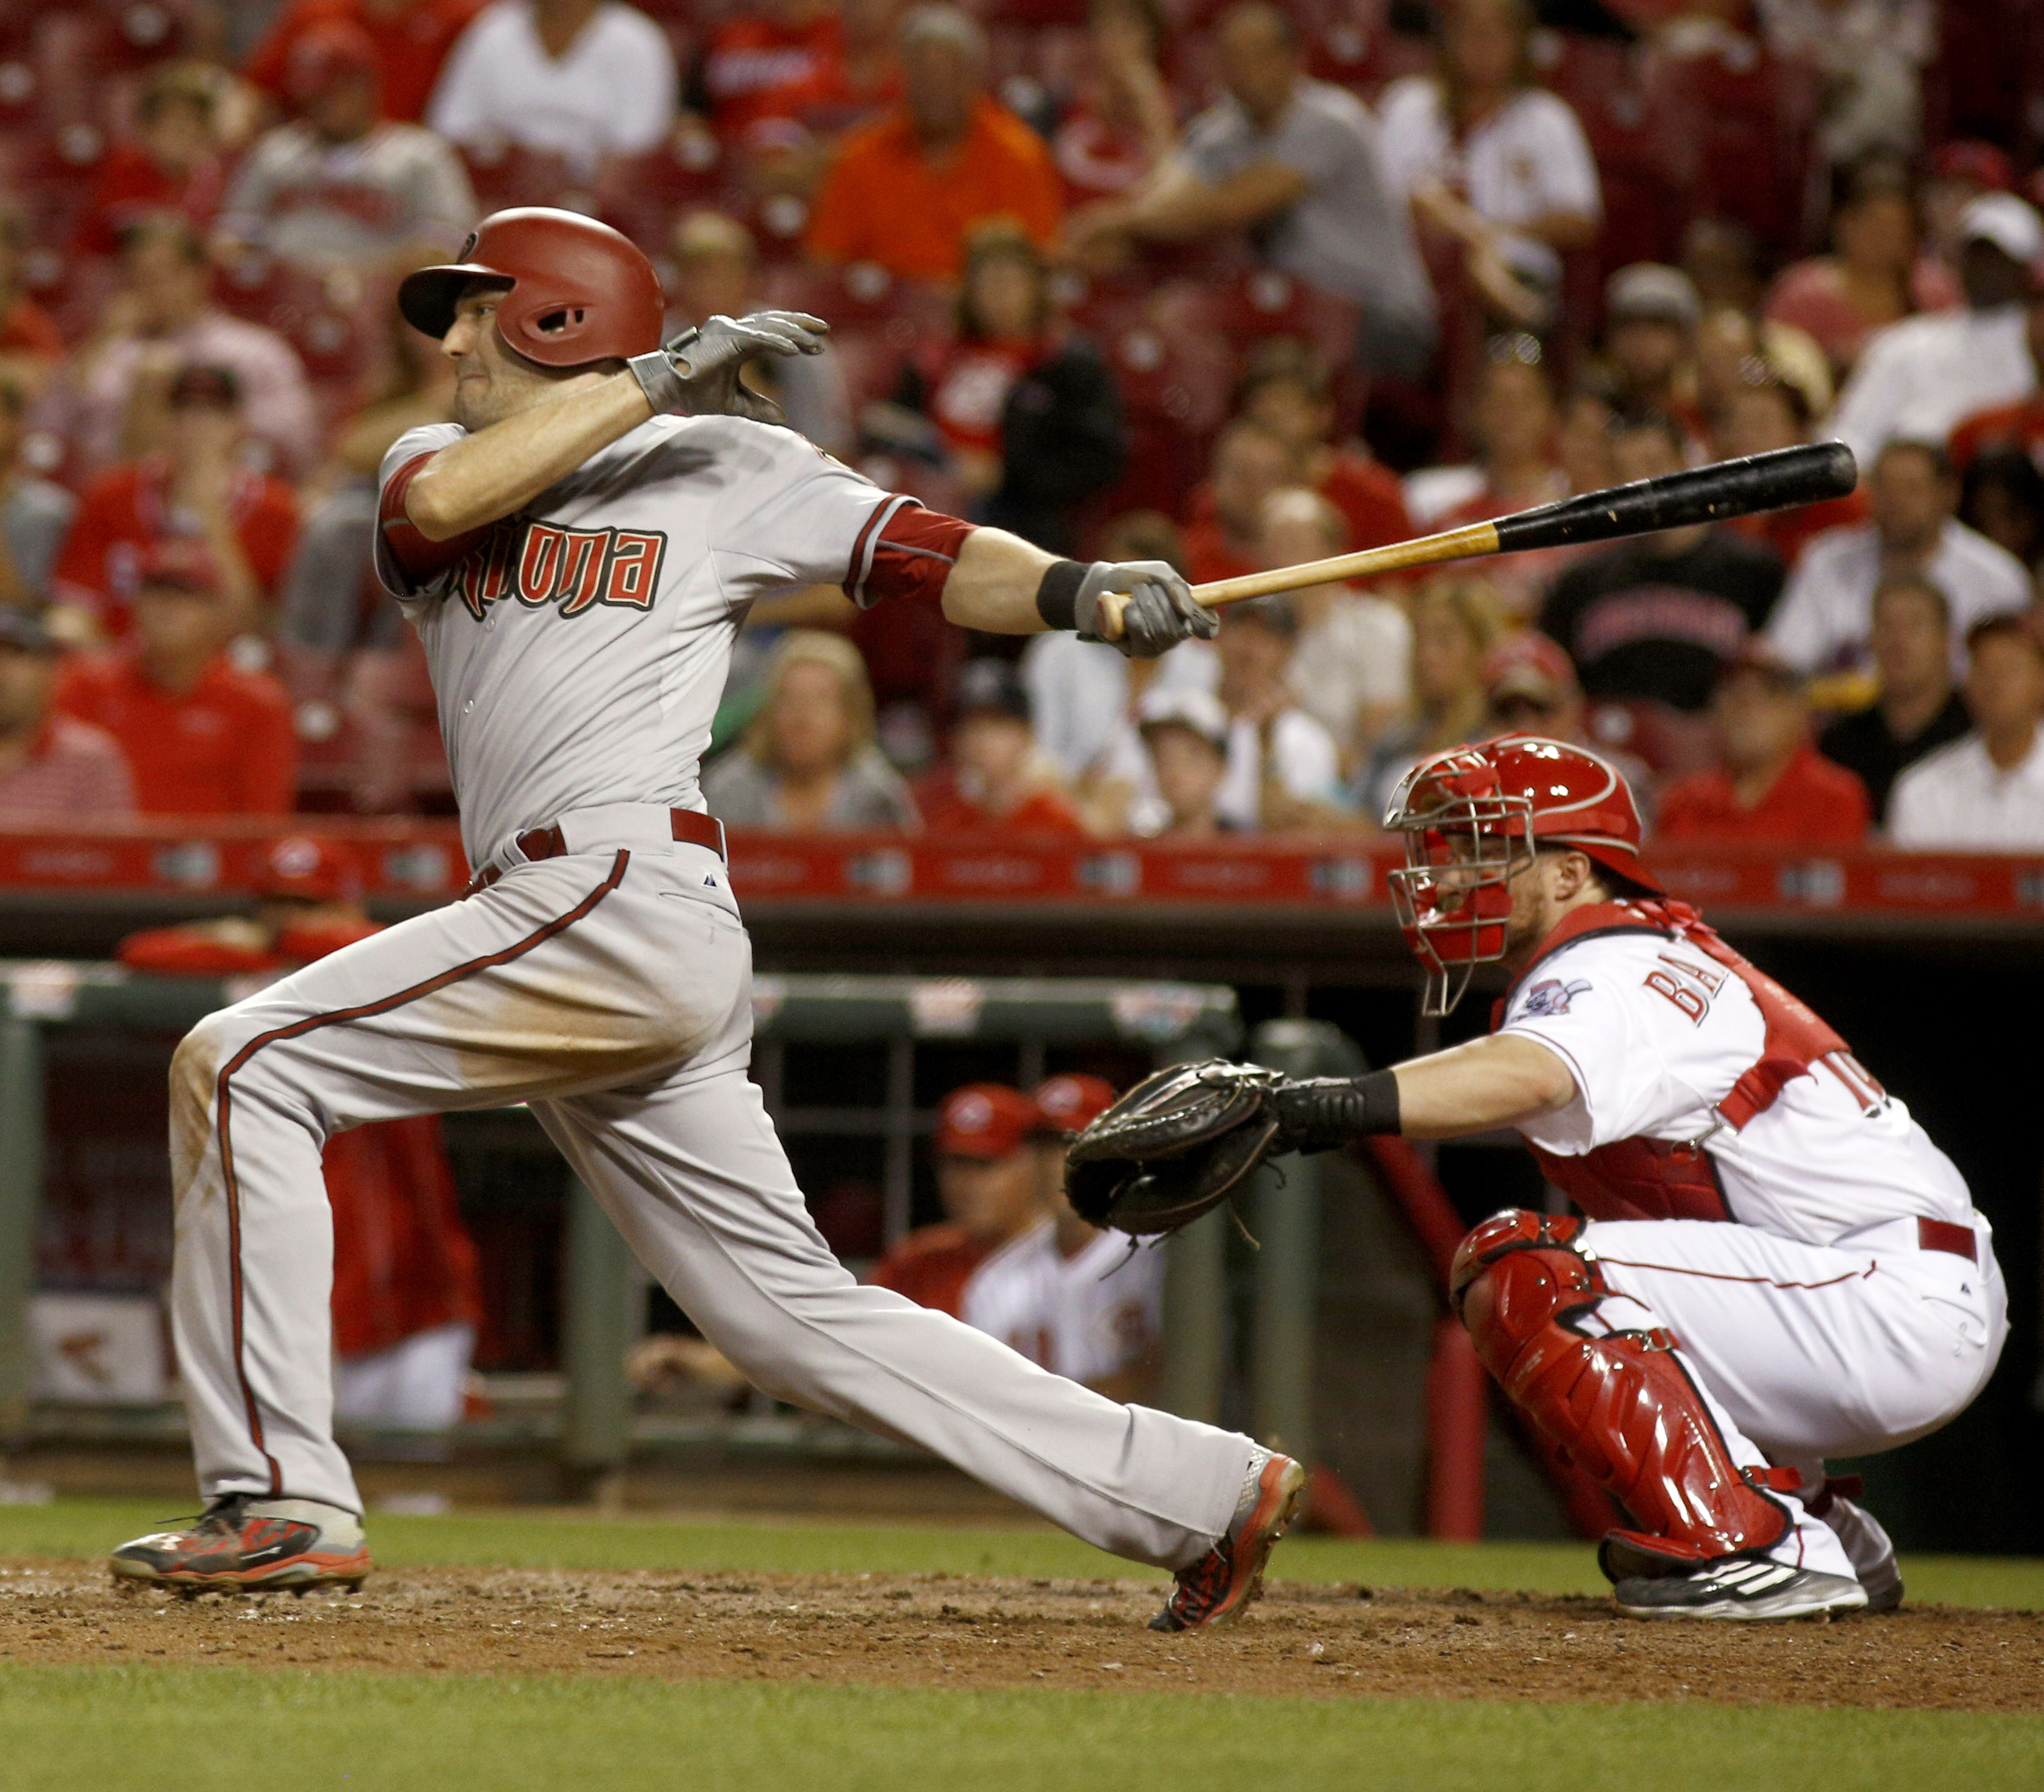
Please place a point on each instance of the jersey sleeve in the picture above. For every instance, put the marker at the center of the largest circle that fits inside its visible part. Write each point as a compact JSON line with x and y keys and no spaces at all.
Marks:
{"x":1655,"y":1039}
{"x":802,"y":518}
{"x":407,"y":563}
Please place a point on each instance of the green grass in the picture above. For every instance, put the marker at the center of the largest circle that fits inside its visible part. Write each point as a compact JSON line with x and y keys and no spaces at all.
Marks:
{"x":554,"y":1539}
{"x":128,"y":1729}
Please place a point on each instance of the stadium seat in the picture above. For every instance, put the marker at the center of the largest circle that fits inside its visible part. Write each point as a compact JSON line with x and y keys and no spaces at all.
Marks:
{"x":643,"y":195}
{"x":510,"y":174}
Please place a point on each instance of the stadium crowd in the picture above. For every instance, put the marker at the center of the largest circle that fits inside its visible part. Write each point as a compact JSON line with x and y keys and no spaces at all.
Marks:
{"x":1229,"y":285}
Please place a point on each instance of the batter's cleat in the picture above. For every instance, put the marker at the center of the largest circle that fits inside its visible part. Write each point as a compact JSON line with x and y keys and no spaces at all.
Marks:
{"x":1228,"y":1578}
{"x":1867,"y":1545}
{"x":245,"y":1544}
{"x":1740,"y":1587}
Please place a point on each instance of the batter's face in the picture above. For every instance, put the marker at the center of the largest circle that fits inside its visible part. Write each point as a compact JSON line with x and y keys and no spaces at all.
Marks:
{"x":491,"y":382}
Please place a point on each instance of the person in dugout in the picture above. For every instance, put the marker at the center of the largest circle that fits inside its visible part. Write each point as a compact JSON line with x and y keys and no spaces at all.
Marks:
{"x":407,"y":1295}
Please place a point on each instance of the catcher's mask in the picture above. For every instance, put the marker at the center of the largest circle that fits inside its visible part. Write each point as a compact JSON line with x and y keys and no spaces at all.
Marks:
{"x":1474,"y":818}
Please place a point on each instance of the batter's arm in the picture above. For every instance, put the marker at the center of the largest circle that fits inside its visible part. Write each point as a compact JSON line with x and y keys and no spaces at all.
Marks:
{"x":993,"y":585}
{"x":497,"y":471}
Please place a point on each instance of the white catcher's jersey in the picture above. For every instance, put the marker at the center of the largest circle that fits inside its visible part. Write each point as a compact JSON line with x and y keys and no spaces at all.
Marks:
{"x":1656,"y":1034}
{"x":579,"y":652}
{"x":1085,"y":1317}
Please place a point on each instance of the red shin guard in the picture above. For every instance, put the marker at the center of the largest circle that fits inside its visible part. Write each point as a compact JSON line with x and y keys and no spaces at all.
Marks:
{"x":1622,"y":1407}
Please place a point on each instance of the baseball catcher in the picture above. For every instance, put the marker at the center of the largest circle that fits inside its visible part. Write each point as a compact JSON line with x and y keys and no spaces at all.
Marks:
{"x":1775,"y":1264}
{"x":577,"y":551}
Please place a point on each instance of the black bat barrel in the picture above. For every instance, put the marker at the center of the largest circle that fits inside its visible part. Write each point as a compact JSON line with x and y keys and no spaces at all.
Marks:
{"x":1775,"y":481}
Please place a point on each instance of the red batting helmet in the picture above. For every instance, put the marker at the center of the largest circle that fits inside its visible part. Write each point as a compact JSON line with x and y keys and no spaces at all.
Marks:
{"x":1475,"y":816}
{"x":579,"y":291}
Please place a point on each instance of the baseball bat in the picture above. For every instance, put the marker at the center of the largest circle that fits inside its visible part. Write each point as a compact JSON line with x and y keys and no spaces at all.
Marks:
{"x":1775,"y":481}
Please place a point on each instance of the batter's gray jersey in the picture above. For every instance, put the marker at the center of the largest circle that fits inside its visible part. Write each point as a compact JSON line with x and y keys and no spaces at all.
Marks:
{"x":579,"y":651}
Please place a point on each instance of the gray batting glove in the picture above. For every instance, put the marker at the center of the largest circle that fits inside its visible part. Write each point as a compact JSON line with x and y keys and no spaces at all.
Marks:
{"x":1161,"y":610}
{"x":696,"y":374}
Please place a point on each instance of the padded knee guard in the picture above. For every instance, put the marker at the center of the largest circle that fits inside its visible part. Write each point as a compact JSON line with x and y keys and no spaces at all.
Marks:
{"x":1622,"y":1407}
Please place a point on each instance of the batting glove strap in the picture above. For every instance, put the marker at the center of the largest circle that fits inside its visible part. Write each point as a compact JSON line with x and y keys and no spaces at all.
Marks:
{"x":1320,"y":1113}
{"x":661,"y":380}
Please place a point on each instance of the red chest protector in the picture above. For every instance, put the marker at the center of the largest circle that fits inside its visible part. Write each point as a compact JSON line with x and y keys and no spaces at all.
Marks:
{"x":1663,"y":1179}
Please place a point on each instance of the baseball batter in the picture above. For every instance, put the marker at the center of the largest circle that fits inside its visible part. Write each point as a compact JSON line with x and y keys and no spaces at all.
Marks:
{"x":1778,"y":1265}
{"x":577,"y":552}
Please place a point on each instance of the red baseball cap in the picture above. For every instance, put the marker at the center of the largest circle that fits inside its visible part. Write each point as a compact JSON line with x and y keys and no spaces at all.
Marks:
{"x":1969,"y":160}
{"x":327,"y":55}
{"x":304,"y":865}
{"x":179,"y":564}
{"x":985,"y":1120}
{"x":1070,"y":1101}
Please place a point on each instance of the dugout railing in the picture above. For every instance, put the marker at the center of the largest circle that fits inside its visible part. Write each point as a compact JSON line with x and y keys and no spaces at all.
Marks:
{"x":593,"y":1428}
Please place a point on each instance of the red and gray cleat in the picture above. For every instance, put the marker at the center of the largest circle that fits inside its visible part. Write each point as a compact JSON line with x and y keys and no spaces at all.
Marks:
{"x":1229,"y":1576}
{"x":245,"y":1544}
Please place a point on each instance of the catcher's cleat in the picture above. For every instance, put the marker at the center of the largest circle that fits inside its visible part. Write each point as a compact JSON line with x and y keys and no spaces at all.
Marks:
{"x":1740,"y":1587}
{"x":1229,"y":1576}
{"x":244,"y":1544}
{"x":1867,"y":1546}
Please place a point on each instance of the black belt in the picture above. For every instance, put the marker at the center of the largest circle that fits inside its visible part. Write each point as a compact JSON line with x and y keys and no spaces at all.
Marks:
{"x":696,"y":829}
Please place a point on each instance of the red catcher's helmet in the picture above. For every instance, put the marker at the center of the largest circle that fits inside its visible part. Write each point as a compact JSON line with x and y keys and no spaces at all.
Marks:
{"x":1473,"y":817}
{"x":578,"y":291}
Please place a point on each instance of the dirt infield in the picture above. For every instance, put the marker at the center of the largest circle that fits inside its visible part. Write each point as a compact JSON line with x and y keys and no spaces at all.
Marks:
{"x":1332,"y":1641}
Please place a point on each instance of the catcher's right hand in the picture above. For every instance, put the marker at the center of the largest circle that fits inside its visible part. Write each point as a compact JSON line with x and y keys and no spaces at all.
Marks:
{"x":696,"y":374}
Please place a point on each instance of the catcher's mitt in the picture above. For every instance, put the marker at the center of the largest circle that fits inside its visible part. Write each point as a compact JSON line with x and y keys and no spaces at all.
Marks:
{"x":1178,"y":1143}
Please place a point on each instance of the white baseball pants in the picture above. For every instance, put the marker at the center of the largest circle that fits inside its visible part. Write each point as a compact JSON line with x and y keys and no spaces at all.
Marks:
{"x":1804,"y":1351}
{"x":611,"y":988}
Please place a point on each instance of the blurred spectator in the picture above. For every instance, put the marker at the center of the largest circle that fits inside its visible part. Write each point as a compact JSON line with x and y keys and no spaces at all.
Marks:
{"x":1120,"y":127}
{"x":161,"y":320}
{"x":1223,"y":541}
{"x":1285,"y":388}
{"x":1917,"y":711}
{"x":906,"y":190}
{"x":343,"y":186}
{"x":2020,"y":424}
{"x":1455,"y":626}
{"x":1582,"y":444}
{"x":1827,"y":612}
{"x":987,"y":1180}
{"x":411,"y":38}
{"x":1284,"y":770}
{"x":407,"y":1296}
{"x":203,"y":737}
{"x":717,"y":265}
{"x":807,"y":763}
{"x":1876,"y":275}
{"x":1297,"y":163}
{"x":1652,"y":620}
{"x":2001,"y":496}
{"x":1760,"y":415}
{"x":1916,"y":380}
{"x":30,"y":346}
{"x":1490,"y":158}
{"x":578,"y":79}
{"x":1870,"y":55}
{"x":996,"y":779}
{"x":1351,"y":670}
{"x":1984,"y":792}
{"x":197,"y":489}
{"x":52,"y":767}
{"x":171,"y":164}
{"x":1723,"y":262}
{"x":764,"y":71}
{"x":1083,"y":1303}
{"x":34,"y":513}
{"x":1185,"y":731}
{"x":1960,"y":171}
{"x":1022,"y":411}
{"x":1079,"y":691}
{"x":1770,"y":786}
{"x":1649,"y":338}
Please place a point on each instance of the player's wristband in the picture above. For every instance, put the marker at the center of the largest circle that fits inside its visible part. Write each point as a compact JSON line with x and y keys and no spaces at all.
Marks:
{"x":1058,"y":593}
{"x":1324,"y":1112}
{"x":660,"y":380}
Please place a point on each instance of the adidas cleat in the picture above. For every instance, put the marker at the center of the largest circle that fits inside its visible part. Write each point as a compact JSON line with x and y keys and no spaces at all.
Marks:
{"x":1739,"y":1587}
